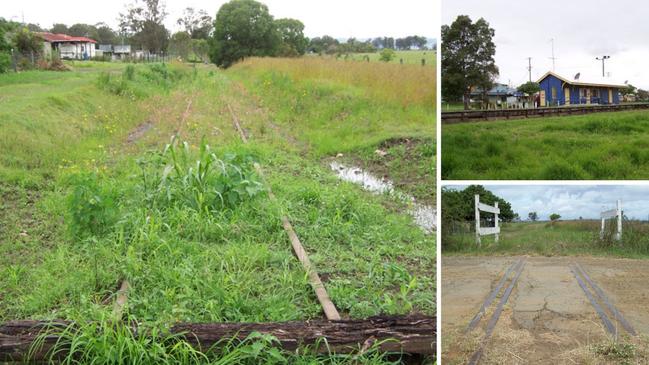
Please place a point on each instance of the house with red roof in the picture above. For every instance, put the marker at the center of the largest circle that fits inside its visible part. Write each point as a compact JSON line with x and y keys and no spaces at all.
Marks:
{"x":68,"y":47}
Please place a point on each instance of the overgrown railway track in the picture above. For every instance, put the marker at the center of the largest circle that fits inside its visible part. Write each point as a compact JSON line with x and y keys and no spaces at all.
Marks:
{"x":468,"y":116}
{"x":414,"y":335}
{"x":609,"y":315}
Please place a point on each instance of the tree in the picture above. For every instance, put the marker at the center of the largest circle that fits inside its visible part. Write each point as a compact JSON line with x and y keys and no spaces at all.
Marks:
{"x":533,"y":216}
{"x":291,"y":32}
{"x":83,"y":30}
{"x":35,"y":27}
{"x":467,"y":58}
{"x":387,"y":55}
{"x":529,"y":88}
{"x":144,"y":20}
{"x":643,"y":94}
{"x":201,"y":49}
{"x":628,"y":90}
{"x":243,"y":28}
{"x":325,"y":44}
{"x":105,"y":34}
{"x":554,"y":217}
{"x":27,"y":42}
{"x":459,"y":205}
{"x":59,"y":28}
{"x":5,"y":55}
{"x":198,"y":24}
{"x":180,"y":44}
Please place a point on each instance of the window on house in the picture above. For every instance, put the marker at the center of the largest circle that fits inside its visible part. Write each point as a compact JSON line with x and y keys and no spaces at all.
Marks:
{"x":554,"y":93}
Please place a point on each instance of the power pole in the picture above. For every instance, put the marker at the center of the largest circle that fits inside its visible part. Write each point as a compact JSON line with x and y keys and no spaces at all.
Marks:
{"x":529,"y":67}
{"x":552,"y":58}
{"x":604,"y":58}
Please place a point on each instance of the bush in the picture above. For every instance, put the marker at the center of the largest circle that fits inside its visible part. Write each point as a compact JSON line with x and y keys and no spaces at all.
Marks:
{"x":92,"y":206}
{"x":387,"y":55}
{"x":205,"y":182}
{"x":5,"y":62}
{"x":129,"y":73}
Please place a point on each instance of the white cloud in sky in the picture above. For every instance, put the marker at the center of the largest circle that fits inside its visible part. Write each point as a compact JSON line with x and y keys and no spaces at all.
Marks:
{"x":572,"y":201}
{"x":338,"y":18}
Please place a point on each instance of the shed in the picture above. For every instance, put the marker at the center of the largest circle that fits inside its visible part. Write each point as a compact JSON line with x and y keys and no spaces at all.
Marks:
{"x":499,"y":94}
{"x":69,"y":47}
{"x":557,"y":91}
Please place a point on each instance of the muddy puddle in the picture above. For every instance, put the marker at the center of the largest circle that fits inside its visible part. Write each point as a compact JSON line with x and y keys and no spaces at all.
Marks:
{"x":423,"y":215}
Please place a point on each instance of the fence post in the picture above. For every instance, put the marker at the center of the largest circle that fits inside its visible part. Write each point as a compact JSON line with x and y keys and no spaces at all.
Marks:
{"x":13,"y":61}
{"x":477,"y":220}
{"x":496,"y":225}
{"x":619,"y":220}
{"x":601,"y":232}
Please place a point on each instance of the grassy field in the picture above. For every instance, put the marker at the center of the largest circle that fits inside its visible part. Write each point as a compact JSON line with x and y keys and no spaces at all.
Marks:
{"x":580,"y":237}
{"x":408,"y":57}
{"x":596,"y":146}
{"x":91,"y":196}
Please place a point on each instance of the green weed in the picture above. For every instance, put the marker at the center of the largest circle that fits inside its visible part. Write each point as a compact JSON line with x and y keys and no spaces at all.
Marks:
{"x":92,"y":205}
{"x":206,"y":182}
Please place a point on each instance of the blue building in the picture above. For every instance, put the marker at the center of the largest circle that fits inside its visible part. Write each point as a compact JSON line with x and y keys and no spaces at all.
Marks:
{"x":557,"y":90}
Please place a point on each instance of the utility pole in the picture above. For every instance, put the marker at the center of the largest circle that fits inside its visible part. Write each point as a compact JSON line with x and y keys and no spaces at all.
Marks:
{"x":604,"y":58}
{"x":552,"y":58}
{"x":529,"y":67}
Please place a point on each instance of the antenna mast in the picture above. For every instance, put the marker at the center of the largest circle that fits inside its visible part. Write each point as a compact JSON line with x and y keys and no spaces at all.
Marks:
{"x":553,"y":58}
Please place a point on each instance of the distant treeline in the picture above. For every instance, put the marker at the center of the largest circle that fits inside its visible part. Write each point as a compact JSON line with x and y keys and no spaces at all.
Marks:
{"x":330,"y":45}
{"x":241,"y":28}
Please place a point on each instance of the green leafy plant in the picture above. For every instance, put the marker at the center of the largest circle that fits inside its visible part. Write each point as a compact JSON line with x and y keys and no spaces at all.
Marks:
{"x":206,"y":182}
{"x":92,"y":206}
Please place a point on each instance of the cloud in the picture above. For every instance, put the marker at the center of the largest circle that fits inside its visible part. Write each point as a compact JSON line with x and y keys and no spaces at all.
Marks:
{"x":573,"y":201}
{"x":581,"y":29}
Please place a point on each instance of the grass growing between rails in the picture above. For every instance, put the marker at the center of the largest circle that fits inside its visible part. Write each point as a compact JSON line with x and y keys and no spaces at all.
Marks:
{"x":595,"y":146}
{"x":191,"y":228}
{"x":579,"y":237}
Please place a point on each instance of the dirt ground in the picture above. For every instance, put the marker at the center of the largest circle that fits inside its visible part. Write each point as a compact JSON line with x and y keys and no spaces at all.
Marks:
{"x":548,"y":318}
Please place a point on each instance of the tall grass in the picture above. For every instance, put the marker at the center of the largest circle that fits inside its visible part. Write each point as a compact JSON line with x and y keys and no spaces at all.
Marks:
{"x":595,"y":146}
{"x":405,"y":84}
{"x":106,"y":342}
{"x":551,"y":238}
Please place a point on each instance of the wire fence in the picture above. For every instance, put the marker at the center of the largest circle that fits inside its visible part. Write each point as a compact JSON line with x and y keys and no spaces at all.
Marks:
{"x":30,"y":60}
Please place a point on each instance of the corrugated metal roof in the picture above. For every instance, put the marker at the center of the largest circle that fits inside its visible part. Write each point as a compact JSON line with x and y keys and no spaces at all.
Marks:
{"x":592,"y":81}
{"x":51,"y":37}
{"x":499,"y":90}
{"x":124,"y":48}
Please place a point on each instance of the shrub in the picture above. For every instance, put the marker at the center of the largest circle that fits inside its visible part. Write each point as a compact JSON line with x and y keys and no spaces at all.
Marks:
{"x":387,"y":55}
{"x":92,"y":206}
{"x":129,"y":73}
{"x":5,"y":62}
{"x":205,"y":182}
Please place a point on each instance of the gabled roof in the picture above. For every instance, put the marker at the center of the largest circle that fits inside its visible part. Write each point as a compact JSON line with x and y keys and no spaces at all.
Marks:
{"x":600,"y":83}
{"x":62,"y":38}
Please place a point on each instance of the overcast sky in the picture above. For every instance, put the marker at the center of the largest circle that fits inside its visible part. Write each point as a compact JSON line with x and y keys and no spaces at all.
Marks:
{"x":572,"y":201}
{"x":582,"y":30}
{"x":338,"y":18}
